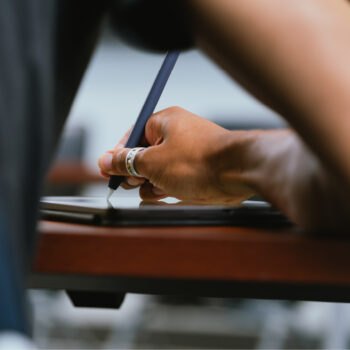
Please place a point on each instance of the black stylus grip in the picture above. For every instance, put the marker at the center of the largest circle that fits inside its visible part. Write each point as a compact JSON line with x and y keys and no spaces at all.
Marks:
{"x":148,"y":108}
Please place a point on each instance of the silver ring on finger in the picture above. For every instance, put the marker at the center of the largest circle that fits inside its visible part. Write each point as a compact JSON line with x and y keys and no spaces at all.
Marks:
{"x":129,"y":161}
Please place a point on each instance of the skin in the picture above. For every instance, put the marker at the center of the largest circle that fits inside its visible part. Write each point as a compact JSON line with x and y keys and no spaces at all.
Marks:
{"x":293,"y":56}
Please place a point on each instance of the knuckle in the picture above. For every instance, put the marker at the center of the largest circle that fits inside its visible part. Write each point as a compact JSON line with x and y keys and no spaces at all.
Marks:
{"x":169,"y":111}
{"x":174,"y":110}
{"x":153,"y":119}
{"x":118,"y":161}
{"x":142,"y":164}
{"x":145,"y":192}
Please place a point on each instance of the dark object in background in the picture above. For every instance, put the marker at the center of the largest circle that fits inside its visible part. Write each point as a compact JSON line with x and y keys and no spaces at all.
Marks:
{"x":72,"y":145}
{"x":44,"y":49}
{"x":70,"y":150}
{"x":105,"y":300}
{"x":155,"y":25}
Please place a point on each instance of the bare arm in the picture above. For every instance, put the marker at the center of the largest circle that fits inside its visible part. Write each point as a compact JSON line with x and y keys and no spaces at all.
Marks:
{"x":195,"y":160}
{"x":294,"y":56}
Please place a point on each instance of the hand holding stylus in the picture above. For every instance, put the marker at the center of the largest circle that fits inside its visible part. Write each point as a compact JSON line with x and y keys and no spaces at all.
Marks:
{"x":179,"y":160}
{"x":195,"y":160}
{"x":152,"y":99}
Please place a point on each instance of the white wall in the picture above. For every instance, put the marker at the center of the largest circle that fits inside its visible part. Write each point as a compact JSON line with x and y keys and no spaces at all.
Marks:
{"x":119,"y":78}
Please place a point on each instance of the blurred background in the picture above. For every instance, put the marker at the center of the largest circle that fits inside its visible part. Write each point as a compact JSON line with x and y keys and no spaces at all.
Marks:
{"x":108,"y":102}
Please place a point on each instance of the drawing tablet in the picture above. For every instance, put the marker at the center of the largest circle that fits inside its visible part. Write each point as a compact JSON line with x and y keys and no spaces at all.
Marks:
{"x":131,"y":211}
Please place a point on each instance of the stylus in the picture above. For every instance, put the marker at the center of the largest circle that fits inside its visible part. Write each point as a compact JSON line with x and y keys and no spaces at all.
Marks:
{"x":146,"y":111}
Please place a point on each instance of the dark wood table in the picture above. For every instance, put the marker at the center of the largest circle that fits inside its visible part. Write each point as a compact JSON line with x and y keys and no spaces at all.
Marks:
{"x":73,"y":173}
{"x":239,"y":262}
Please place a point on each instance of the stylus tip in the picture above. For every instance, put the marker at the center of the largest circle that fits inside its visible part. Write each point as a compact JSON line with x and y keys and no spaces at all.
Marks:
{"x":111,"y":191}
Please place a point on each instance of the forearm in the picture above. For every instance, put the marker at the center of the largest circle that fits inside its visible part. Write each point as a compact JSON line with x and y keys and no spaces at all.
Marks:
{"x":277,"y":165}
{"x":293,"y":55}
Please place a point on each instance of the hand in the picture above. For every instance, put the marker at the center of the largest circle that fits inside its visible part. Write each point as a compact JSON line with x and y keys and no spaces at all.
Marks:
{"x":195,"y":161}
{"x":186,"y":158}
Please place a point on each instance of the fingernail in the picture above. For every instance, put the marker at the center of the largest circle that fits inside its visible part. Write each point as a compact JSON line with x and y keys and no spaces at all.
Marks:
{"x":157,"y":191}
{"x":105,"y":162}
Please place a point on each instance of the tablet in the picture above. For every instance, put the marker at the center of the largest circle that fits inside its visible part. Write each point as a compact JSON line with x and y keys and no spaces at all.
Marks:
{"x":132,"y":211}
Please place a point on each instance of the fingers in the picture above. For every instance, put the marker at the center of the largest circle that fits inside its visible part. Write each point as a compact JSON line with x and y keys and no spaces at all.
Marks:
{"x":113,"y":163}
{"x":150,"y":192}
{"x":132,"y":182}
{"x":155,"y":130}
{"x":104,"y":174}
{"x":112,"y":160}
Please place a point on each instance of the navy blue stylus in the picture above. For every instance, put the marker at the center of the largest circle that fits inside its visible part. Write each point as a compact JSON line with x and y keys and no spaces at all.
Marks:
{"x":146,"y":111}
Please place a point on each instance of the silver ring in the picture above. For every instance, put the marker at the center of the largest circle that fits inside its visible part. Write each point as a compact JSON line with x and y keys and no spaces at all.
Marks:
{"x":129,"y":161}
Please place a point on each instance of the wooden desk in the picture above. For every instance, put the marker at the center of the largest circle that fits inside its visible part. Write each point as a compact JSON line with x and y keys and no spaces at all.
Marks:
{"x":203,"y":261}
{"x":73,"y":173}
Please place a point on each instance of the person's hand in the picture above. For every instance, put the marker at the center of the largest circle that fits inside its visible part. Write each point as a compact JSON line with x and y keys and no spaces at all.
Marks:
{"x":187,"y":158}
{"x":195,"y":161}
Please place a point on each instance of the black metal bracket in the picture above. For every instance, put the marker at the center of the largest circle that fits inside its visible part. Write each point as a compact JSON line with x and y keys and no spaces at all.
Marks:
{"x":110,"y":300}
